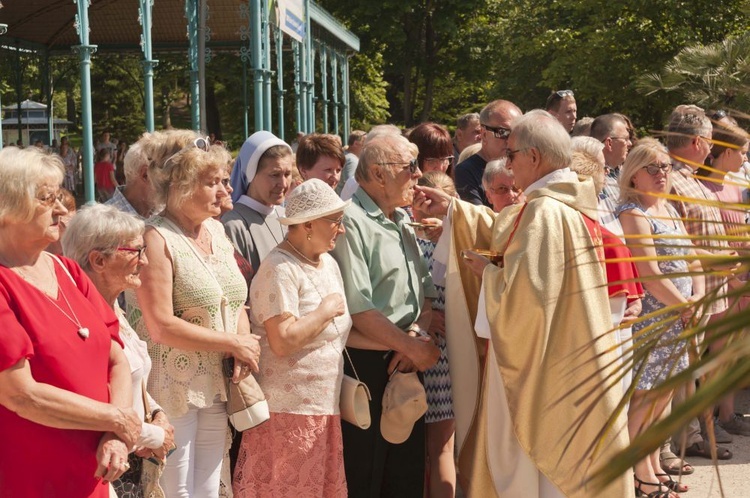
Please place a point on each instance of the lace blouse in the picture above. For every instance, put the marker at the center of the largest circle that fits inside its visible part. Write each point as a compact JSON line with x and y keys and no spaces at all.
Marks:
{"x":180,"y":377}
{"x":307,"y":382}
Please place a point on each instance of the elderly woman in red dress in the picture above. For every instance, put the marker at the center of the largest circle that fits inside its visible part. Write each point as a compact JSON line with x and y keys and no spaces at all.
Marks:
{"x":66,"y":416}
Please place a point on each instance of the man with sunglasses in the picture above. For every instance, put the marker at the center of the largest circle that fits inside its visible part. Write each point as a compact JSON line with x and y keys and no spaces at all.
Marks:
{"x":495,"y":120}
{"x":562,"y":105}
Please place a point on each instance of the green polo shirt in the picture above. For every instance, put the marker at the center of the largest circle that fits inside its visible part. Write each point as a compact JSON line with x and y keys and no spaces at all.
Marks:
{"x":381,"y":264}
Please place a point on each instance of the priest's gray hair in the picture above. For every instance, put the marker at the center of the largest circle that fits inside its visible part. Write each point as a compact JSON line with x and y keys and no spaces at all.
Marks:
{"x":539,"y":130}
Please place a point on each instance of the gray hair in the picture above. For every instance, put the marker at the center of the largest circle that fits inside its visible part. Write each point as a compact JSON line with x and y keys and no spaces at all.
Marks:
{"x":99,"y":227}
{"x":135,"y":159}
{"x":538,"y":129}
{"x":588,"y":145}
{"x":22,"y":172}
{"x":464,"y":121}
{"x":494,"y":169}
{"x":685,"y":123}
{"x":381,"y":131}
{"x":380,"y":150}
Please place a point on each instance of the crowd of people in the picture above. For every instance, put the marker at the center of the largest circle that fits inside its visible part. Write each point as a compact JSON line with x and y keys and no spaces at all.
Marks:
{"x":485,"y":288}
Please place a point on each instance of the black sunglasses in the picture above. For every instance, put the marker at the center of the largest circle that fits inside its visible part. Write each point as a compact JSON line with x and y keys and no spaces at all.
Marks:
{"x":654,"y":169}
{"x":497,"y":131}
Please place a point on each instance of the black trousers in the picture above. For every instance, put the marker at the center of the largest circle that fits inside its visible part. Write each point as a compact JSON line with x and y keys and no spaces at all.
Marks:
{"x":374,"y":467}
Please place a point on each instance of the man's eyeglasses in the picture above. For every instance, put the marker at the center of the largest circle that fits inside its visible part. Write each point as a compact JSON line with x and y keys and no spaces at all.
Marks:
{"x":510,"y":154}
{"x":504,"y":190}
{"x":49,"y":199}
{"x":709,"y":141}
{"x":413,"y":165}
{"x":497,"y":131}
{"x":654,"y":169}
{"x":139,"y":250}
{"x":624,"y":139}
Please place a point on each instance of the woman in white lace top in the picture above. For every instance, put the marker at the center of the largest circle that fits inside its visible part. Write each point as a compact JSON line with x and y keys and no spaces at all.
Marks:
{"x":190,"y":309}
{"x":298,"y":309}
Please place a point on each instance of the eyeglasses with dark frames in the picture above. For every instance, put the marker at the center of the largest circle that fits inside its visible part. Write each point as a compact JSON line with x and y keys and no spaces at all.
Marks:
{"x":720,"y":114}
{"x":413,"y":165}
{"x":139,"y":250}
{"x":654,"y":169}
{"x":497,"y":131}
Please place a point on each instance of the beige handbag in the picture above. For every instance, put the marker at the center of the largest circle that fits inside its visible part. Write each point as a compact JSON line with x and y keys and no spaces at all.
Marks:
{"x":354,"y":403}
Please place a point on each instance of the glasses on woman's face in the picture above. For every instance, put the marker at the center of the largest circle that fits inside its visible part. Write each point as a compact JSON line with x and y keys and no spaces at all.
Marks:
{"x":140,"y":250}
{"x":504,"y":190}
{"x":49,"y":199}
{"x":336,"y":222}
{"x":654,"y":169}
{"x":439,"y":160}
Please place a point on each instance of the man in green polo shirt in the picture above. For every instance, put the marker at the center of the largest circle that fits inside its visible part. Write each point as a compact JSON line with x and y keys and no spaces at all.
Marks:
{"x":388,"y":292}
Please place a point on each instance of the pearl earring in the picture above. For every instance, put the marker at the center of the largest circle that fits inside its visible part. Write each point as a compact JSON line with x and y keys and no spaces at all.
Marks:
{"x":309,"y":236}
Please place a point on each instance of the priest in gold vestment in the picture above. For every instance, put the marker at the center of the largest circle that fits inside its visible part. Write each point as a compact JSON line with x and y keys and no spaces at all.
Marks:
{"x":532,"y":408}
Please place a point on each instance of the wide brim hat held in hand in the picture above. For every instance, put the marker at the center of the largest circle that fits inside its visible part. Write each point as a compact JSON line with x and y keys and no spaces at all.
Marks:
{"x":311,"y":200}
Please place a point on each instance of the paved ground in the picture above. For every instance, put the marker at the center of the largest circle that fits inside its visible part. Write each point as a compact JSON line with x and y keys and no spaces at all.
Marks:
{"x":734,"y":473}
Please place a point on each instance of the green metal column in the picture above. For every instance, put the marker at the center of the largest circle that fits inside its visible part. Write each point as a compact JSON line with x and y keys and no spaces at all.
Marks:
{"x":19,"y":89}
{"x":144,"y":17}
{"x":267,"y":74}
{"x":311,"y":92}
{"x":256,"y":55}
{"x":345,"y":96}
{"x":3,"y":30}
{"x":192,"y":13}
{"x":47,"y":86}
{"x":280,"y":78}
{"x":323,"y":51}
{"x":84,"y":53}
{"x":335,"y":82}
{"x":245,"y":102}
{"x":309,"y":105}
{"x":298,"y":114}
{"x":303,"y":86}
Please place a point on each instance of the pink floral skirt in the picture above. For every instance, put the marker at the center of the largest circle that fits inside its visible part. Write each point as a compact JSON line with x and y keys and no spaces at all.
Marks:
{"x":292,"y":455}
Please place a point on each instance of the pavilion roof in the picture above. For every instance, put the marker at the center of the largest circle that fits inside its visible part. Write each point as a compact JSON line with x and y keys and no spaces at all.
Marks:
{"x":50,"y":24}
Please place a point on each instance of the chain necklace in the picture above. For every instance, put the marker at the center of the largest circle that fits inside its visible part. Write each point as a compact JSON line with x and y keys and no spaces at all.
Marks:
{"x":269,"y":228}
{"x":308,"y":260}
{"x":83,"y":332}
{"x":200,"y":240}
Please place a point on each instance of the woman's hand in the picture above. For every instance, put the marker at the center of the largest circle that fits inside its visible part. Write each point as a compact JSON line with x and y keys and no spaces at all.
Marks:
{"x":692,"y":313}
{"x":111,"y":458}
{"x":437,"y":326}
{"x":246,"y":353}
{"x":476,"y":262}
{"x":333,"y":305}
{"x":633,"y":311}
{"x":161,"y":421}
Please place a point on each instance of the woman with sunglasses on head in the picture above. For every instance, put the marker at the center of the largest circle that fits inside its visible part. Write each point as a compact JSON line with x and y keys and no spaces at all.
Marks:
{"x":108,"y":245}
{"x":190,"y":310}
{"x":650,"y":225}
{"x":298,"y":309}
{"x":66,"y":416}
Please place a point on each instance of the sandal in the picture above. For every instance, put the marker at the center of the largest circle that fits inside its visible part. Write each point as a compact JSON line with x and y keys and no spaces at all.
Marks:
{"x":700,"y":450}
{"x":675,"y":486}
{"x":674,"y":465}
{"x":660,"y":492}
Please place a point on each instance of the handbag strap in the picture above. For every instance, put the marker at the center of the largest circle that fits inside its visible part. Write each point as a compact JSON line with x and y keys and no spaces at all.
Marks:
{"x":146,"y":407}
{"x":346,"y":352}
